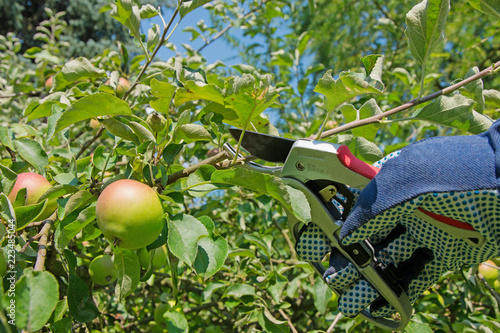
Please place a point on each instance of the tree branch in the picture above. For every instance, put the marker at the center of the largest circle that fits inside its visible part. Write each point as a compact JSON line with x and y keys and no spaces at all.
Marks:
{"x":230,"y":25}
{"x":42,"y":245}
{"x":90,"y":142}
{"x":189,"y":170}
{"x":378,"y":118}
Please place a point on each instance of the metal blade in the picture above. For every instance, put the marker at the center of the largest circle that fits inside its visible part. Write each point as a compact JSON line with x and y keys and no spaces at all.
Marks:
{"x":266,"y":147}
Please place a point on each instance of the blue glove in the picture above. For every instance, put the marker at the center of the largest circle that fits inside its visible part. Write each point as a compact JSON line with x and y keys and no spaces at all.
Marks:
{"x":431,"y":209}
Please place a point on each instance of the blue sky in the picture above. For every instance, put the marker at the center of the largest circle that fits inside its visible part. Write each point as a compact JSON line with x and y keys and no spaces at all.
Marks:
{"x":219,"y":50}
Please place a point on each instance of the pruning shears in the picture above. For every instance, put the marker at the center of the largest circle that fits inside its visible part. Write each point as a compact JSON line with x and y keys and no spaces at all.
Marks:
{"x":323,"y":172}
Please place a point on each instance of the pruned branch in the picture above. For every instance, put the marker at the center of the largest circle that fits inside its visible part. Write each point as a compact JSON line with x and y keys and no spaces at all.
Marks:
{"x":378,"y":118}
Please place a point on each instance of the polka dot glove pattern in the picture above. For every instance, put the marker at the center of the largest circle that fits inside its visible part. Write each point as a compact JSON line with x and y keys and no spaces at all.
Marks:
{"x":421,"y":251}
{"x":432,"y":208}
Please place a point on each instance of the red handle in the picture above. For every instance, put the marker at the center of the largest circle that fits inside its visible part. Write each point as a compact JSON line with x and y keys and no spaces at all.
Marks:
{"x":355,"y":164}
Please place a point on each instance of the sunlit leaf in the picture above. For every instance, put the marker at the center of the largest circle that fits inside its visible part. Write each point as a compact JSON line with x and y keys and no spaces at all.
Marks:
{"x":425,"y":27}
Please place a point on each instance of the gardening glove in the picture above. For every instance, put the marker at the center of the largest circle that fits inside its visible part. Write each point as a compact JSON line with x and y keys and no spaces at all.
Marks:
{"x":431,"y":209}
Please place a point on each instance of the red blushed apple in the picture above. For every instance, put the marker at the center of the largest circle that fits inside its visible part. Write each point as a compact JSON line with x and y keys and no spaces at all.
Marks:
{"x":35,"y":185}
{"x":48,"y":83}
{"x":122,"y":86}
{"x":130,"y":214}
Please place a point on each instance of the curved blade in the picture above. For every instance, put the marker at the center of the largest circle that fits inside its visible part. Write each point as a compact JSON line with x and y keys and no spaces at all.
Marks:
{"x":266,"y":147}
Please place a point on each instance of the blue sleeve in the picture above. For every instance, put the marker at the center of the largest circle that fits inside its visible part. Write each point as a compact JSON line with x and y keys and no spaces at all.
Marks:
{"x":440,"y":164}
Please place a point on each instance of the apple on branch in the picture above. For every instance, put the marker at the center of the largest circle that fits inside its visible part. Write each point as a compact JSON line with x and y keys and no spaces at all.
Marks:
{"x":130,"y":214}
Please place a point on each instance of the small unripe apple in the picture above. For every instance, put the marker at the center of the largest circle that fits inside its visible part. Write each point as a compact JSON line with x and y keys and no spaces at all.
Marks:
{"x":156,"y":121}
{"x":159,"y":259}
{"x":129,"y":214}
{"x":49,"y":82}
{"x":122,"y":86}
{"x":35,"y":185}
{"x":489,"y":271}
{"x":94,"y":123}
{"x":102,"y":270}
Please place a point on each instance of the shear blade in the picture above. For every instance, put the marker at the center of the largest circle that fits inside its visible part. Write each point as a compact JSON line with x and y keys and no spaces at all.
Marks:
{"x":266,"y":147}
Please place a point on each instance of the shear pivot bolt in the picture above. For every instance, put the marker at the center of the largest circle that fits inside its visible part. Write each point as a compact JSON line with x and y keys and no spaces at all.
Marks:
{"x":355,"y":252}
{"x":300,"y":166}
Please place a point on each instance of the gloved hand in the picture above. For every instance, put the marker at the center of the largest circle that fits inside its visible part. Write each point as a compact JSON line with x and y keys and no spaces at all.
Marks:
{"x":430,"y":209}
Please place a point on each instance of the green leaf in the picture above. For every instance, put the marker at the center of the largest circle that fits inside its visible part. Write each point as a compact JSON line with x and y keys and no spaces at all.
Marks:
{"x":489,"y":7}
{"x":91,"y":106}
{"x":475,"y":88}
{"x":129,"y":272}
{"x":492,"y":98}
{"x":277,"y":283}
{"x":455,"y":111}
{"x":260,"y":243}
{"x":75,"y":201}
{"x":347,"y":86}
{"x":74,"y":70}
{"x":369,"y":109}
{"x":191,"y":133}
{"x":8,"y":213}
{"x":142,"y":132}
{"x":164,"y":91}
{"x":184,"y":231}
{"x":321,"y":295}
{"x":33,"y":153}
{"x":148,"y":11}
{"x":80,"y":303}
{"x":171,"y":152}
{"x":361,"y":148}
{"x":128,"y":14}
{"x":175,"y":322}
{"x":189,"y":6}
{"x":425,"y":27}
{"x":28,"y":214}
{"x":117,"y":128}
{"x":270,"y":324}
{"x":68,"y":229}
{"x":212,"y":252}
{"x":249,"y":96}
{"x":238,"y":290}
{"x":36,"y":297}
{"x":7,"y":179}
{"x":195,"y":90}
{"x":273,"y":186}
{"x":414,"y":327}
{"x":201,"y":176}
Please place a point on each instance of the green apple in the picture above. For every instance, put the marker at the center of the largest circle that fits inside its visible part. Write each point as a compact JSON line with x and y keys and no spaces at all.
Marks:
{"x":102,"y":270}
{"x":159,"y":259}
{"x":129,"y":214}
{"x":122,"y":86}
{"x":35,"y":185}
{"x":489,"y":271}
{"x":156,"y":121}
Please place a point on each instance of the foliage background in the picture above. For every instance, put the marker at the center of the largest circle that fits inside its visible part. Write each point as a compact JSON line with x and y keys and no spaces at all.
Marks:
{"x":257,"y":283}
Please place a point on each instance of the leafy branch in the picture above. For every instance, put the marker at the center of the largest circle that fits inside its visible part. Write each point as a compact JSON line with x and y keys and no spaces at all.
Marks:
{"x":377,"y":119}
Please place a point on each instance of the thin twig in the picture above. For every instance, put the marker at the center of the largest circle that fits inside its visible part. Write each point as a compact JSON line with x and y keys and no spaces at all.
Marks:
{"x":378,"y":118}
{"x":42,"y":245}
{"x":90,"y":142}
{"x":335,"y":321}
{"x":290,"y":324}
{"x":230,"y":25}
{"x":155,"y":51}
{"x":189,"y":170}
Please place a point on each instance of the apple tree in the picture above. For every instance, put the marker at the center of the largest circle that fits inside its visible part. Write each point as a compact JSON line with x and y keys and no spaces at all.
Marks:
{"x":133,"y":216}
